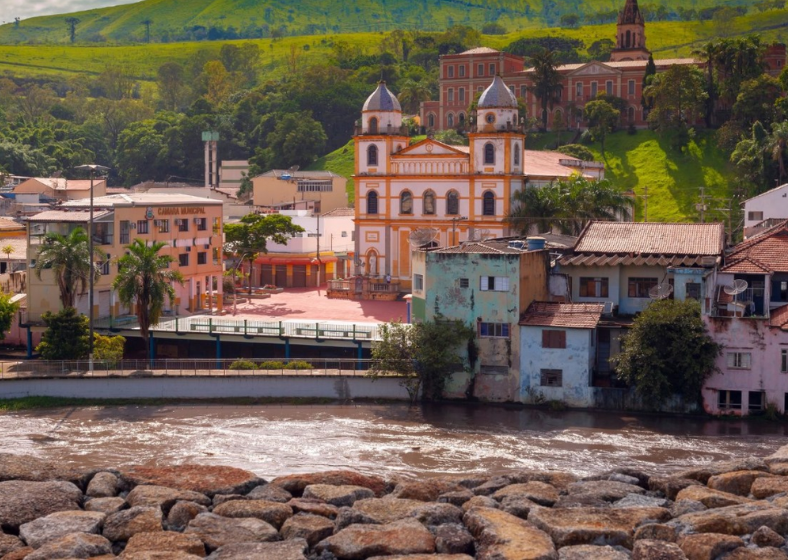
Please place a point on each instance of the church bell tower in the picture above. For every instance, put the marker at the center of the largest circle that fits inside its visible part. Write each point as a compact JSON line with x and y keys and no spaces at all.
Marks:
{"x":630,"y":34}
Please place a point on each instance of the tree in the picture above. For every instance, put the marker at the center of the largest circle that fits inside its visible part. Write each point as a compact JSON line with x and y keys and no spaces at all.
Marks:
{"x":8,"y":250}
{"x":559,"y":126}
{"x":145,"y":281}
{"x":412,"y":93}
{"x":108,"y":349}
{"x":570,"y":20}
{"x":600,"y":50}
{"x":66,"y":335}
{"x":69,"y":259}
{"x":147,"y":23}
{"x":425,"y":354}
{"x":548,"y":83}
{"x":577,"y":151}
{"x":72,"y":27}
{"x":218,"y":83}
{"x":602,"y":118}
{"x":297,"y":139}
{"x":8,"y":310}
{"x":249,"y":237}
{"x":172,"y":86}
{"x":667,"y":352}
{"x":777,"y":144}
{"x":678,"y":97}
{"x":756,"y":101}
{"x":748,"y":156}
{"x":648,"y":79}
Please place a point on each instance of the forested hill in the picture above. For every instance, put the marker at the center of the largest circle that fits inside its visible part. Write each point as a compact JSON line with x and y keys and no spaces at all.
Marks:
{"x":189,"y":20}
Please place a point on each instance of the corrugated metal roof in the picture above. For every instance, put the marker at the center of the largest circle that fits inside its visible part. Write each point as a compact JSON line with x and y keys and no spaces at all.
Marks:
{"x":133,"y":198}
{"x":568,"y":315}
{"x":68,"y":216}
{"x":489,"y":247}
{"x":651,"y":238}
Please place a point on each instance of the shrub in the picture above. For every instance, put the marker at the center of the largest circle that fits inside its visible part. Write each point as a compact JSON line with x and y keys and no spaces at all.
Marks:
{"x":66,"y":336}
{"x":243,"y":364}
{"x":108,"y":349}
{"x":299,"y":365}
{"x":272,"y":365}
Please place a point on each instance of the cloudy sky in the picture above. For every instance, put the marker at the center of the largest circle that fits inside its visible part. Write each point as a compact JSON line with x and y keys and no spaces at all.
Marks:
{"x":9,"y":9}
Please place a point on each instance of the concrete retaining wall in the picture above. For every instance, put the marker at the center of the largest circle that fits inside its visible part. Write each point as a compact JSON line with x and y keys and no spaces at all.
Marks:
{"x":207,"y":387}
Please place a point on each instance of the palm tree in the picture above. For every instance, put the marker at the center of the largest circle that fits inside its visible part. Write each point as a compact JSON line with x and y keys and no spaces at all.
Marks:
{"x":144,"y":280}
{"x":412,"y":93}
{"x":534,"y":206}
{"x":69,"y":258}
{"x":147,"y":23}
{"x":8,"y":251}
{"x":548,"y":83}
{"x":777,"y":144}
{"x":708,"y":54}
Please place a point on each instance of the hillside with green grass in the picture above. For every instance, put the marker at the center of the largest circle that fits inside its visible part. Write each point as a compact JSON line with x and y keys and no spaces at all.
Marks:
{"x":632,"y":163}
{"x":209,"y":19}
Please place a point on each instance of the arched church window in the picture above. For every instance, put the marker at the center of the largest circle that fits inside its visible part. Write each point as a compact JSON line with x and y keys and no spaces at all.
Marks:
{"x":373,"y":125}
{"x":489,"y":154}
{"x":452,"y":203}
{"x":406,"y":203}
{"x":372,"y":202}
{"x":450,"y":120}
{"x":431,"y":120}
{"x":372,"y":155}
{"x":516,"y":157}
{"x":429,"y":202}
{"x":488,"y":204}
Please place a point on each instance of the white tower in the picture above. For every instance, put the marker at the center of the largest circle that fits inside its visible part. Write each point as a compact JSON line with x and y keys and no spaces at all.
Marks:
{"x":497,"y":141}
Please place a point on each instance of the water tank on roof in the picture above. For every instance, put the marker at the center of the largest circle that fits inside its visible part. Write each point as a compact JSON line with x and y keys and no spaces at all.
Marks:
{"x":536,"y":243}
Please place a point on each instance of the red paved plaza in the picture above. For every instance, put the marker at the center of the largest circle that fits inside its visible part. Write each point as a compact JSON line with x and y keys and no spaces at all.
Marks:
{"x":312,"y":303}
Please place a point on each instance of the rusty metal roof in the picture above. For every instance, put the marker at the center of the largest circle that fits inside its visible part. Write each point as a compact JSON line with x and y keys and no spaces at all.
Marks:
{"x":651,"y":238}
{"x":568,"y":315}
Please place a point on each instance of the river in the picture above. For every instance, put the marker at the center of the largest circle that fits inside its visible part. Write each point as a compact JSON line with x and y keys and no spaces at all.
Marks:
{"x":386,"y":439}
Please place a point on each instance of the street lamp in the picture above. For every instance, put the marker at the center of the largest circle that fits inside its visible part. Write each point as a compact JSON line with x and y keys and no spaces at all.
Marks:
{"x":92,"y":168}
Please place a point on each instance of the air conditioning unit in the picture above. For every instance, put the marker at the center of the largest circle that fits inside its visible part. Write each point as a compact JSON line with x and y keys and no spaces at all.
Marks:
{"x":197,"y":220}
{"x":133,"y":225}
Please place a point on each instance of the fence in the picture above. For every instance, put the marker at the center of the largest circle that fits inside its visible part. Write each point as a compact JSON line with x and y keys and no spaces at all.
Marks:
{"x":186,"y":368}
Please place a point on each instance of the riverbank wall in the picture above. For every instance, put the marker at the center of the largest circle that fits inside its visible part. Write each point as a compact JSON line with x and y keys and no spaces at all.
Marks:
{"x":206,"y":387}
{"x":732,"y":510}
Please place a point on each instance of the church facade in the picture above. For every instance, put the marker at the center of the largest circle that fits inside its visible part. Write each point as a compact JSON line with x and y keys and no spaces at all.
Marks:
{"x":462,"y":76}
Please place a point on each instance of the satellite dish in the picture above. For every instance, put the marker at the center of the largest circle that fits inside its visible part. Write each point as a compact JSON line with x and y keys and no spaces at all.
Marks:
{"x":294,"y":168}
{"x":738,"y":287}
{"x":422,"y":236}
{"x":660,"y":291}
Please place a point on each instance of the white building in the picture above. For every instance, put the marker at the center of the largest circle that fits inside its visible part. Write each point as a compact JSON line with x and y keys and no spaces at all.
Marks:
{"x":764,"y":210}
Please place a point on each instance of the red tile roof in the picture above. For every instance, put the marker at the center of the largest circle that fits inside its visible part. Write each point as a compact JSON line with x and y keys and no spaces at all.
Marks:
{"x":779,"y":317}
{"x":568,"y":315}
{"x":766,"y":252}
{"x":539,"y":163}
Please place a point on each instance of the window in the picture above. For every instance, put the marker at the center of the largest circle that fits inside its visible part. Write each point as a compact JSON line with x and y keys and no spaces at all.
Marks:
{"x":451,"y":95}
{"x":511,"y":88}
{"x":450,"y":120}
{"x":431,"y":120}
{"x":215,"y":255}
{"x":729,"y":400}
{"x":450,"y":71}
{"x":594,"y":87}
{"x":489,"y":154}
{"x":405,"y":203}
{"x":488,"y":204}
{"x":739,"y":360}
{"x":418,"y":282}
{"x":784,"y":360}
{"x":693,"y":290}
{"x":461,"y":118}
{"x":183,"y":259}
{"x":142,"y":226}
{"x":489,"y":118}
{"x":523,"y":91}
{"x":594,"y":287}
{"x":183,"y":224}
{"x":554,"y":339}
{"x":344,"y":234}
{"x":105,"y":265}
{"x":461,"y":94}
{"x":579,"y":90}
{"x":551,"y":377}
{"x":461,"y":70}
{"x":494,"y":330}
{"x":755,"y":216}
{"x":494,"y":284}
{"x":202,"y":224}
{"x":429,"y":203}
{"x":202,"y":258}
{"x":779,"y":290}
{"x":124,"y":231}
{"x":755,"y":401}
{"x":372,"y":202}
{"x":517,"y":151}
{"x":492,"y":69}
{"x":372,"y":155}
{"x":631,"y":87}
{"x":163,"y":226}
{"x":373,"y":125}
{"x":609,"y":87}
{"x":480,"y":70}
{"x":639,"y":287}
{"x":465,"y":283}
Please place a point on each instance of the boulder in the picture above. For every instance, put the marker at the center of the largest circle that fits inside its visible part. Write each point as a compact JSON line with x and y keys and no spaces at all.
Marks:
{"x":103,"y":485}
{"x":288,"y":550}
{"x":480,"y":501}
{"x":74,"y":545}
{"x":270,"y":512}
{"x":595,"y":525}
{"x":736,"y":482}
{"x":501,"y":535}
{"x":168,"y":541}
{"x":670,"y":486}
{"x":591,"y":552}
{"x":437,"y":514}
{"x":456,"y":498}
{"x":387,"y":510}
{"x":540,"y":492}
{"x":683,"y":507}
{"x":581,"y":500}
{"x":424,"y":490}
{"x":517,"y":506}
{"x":23,"y":501}
{"x":9,"y":543}
{"x":205,"y":479}
{"x":560,"y":480}
{"x":270,"y":492}
{"x":710,"y":498}
{"x":216,"y":531}
{"x":779,"y":457}
{"x":219,"y":499}
{"x":607,"y":490}
{"x":735,"y":520}
{"x":656,"y":532}
{"x":763,"y":537}
{"x":349,"y":516}
{"x":149,"y":495}
{"x":123,"y":525}
{"x":407,"y":536}
{"x":183,"y":512}
{"x":647,"y":549}
{"x":642,"y":476}
{"x":708,"y":546}
{"x":312,"y":528}
{"x":40,"y":531}
{"x":615,"y":477}
{"x":337,"y":495}
{"x":704,"y":473}
{"x":157,"y":555}
{"x":19,"y":554}
{"x":296,"y":483}
{"x":33,"y":469}
{"x":493,"y":485}
{"x":105,"y":505}
{"x":316,"y":507}
{"x":765,"y":487}
{"x":423,"y":557}
{"x":638,"y":500}
{"x":452,"y":538}
{"x":769,"y":553}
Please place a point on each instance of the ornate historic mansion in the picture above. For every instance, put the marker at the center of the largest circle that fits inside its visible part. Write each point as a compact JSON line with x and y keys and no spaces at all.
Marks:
{"x":464,"y":75}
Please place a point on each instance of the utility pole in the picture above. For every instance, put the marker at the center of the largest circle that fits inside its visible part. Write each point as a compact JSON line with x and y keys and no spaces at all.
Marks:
{"x":729,"y":211}
{"x":644,"y":196}
{"x":701,"y":207}
{"x":454,"y":228}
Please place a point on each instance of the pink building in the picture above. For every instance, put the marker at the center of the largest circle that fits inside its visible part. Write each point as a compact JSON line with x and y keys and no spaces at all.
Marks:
{"x":748,"y":315}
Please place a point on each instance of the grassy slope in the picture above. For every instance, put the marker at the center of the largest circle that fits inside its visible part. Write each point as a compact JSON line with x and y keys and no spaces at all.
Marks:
{"x":632,"y":163}
{"x":667,"y":39}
